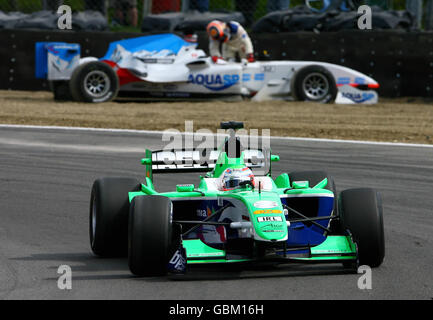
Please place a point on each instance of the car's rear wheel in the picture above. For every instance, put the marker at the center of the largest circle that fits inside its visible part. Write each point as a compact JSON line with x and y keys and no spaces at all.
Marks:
{"x":314,"y":83}
{"x":94,"y":82}
{"x":361,"y":213}
{"x":150,"y":234}
{"x":108,"y":219}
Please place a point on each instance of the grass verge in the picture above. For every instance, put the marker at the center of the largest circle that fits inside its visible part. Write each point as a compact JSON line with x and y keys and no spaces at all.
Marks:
{"x":402,"y":120}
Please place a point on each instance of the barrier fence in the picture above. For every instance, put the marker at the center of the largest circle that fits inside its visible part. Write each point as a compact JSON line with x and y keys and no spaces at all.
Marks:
{"x":130,"y":12}
{"x":401,"y":61}
{"x":387,"y":56}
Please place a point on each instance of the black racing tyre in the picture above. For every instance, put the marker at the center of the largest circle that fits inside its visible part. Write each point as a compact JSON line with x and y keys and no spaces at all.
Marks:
{"x":61,"y":90}
{"x":314,"y":177}
{"x":149,"y":236}
{"x":314,"y":83}
{"x":94,"y":82}
{"x":361,"y":213}
{"x":108,"y":219}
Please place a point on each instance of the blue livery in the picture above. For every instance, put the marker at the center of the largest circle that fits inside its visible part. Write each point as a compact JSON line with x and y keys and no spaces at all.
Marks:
{"x":151,"y":43}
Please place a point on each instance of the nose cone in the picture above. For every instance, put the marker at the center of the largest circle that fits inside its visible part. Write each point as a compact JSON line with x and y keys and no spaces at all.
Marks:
{"x":267,"y":216}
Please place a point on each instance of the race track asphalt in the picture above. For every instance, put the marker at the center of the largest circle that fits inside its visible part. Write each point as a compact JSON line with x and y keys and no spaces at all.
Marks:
{"x":45,"y":181}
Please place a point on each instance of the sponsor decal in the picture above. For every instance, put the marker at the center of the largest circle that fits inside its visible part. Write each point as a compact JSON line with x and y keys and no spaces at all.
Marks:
{"x":346,"y":80}
{"x":267,"y":211}
{"x":358,"y":97}
{"x":259,"y":76}
{"x":268,"y":69}
{"x":213,"y":254}
{"x":204,"y":213}
{"x":201,"y":213}
{"x":265,"y":204}
{"x":272,"y":227}
{"x":343,"y":80}
{"x":246,"y":77}
{"x":360,"y":81}
{"x":214,"y":82}
{"x":269,"y":219}
{"x":177,"y":263}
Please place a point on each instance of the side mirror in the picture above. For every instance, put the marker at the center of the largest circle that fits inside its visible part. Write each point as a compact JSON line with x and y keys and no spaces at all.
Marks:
{"x":275,"y":158}
{"x":146,"y":161}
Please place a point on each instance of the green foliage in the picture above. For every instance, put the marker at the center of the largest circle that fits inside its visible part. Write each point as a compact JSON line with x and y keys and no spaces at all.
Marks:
{"x":76,"y":5}
{"x":127,"y":29}
{"x":221,"y":5}
{"x":25,"y":6}
{"x":294,"y":3}
{"x":29,"y":6}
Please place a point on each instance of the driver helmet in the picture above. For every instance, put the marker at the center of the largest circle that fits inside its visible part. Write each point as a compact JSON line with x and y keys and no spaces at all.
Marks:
{"x":217,"y":31}
{"x":232,"y":177}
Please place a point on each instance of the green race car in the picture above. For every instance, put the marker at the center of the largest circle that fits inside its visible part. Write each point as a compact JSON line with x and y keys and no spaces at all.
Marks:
{"x":238,"y":213}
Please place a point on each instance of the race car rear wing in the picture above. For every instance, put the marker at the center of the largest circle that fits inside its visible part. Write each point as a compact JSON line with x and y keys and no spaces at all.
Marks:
{"x":204,"y":160}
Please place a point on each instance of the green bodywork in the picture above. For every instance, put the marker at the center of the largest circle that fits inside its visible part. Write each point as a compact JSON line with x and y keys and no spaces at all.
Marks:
{"x":334,"y":248}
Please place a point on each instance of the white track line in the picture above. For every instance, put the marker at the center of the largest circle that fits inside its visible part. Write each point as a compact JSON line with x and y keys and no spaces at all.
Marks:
{"x":156,"y":132}
{"x":76,"y":147}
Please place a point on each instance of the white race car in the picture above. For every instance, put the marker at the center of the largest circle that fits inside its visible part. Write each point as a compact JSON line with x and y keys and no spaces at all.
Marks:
{"x":165,"y":66}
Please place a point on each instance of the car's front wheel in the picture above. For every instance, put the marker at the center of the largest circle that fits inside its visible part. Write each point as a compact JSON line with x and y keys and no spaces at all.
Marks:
{"x":150,"y":234}
{"x":361,"y":213}
{"x":314,"y":83}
